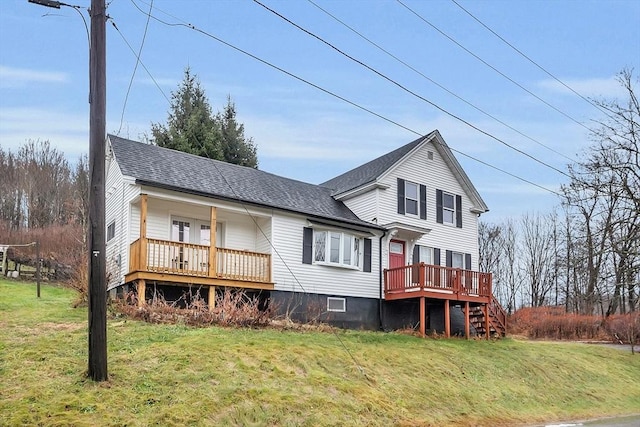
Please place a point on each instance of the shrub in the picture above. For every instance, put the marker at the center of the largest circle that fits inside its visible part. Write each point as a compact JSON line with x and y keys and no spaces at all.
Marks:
{"x":625,"y":328}
{"x":232,"y":308}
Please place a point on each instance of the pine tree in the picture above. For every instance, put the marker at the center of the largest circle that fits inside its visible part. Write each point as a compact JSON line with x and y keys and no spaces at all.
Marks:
{"x":191,"y":127}
{"x":235,"y":147}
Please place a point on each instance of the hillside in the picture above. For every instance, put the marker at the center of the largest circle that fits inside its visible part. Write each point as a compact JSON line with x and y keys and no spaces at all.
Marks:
{"x":177,"y":375}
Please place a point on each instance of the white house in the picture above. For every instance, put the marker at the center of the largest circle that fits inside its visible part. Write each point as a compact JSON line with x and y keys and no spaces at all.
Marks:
{"x":389,"y":244}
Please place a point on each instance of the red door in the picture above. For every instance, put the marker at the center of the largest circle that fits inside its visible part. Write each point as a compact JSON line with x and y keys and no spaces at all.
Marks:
{"x":396,"y":254}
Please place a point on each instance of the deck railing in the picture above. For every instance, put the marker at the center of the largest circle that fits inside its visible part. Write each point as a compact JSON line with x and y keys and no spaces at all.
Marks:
{"x":435,"y":278}
{"x":188,"y":259}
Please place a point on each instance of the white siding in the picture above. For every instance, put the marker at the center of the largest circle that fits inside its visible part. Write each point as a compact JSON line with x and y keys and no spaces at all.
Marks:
{"x":290,"y":274}
{"x":119,"y":193}
{"x":435,"y":175}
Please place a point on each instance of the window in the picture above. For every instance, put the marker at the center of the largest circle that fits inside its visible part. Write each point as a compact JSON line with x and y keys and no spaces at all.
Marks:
{"x":426,"y":255}
{"x":457,"y":260}
{"x":111,"y":231}
{"x":336,"y":304}
{"x":180,"y":231}
{"x":347,"y":250}
{"x":205,"y":235}
{"x":412,"y":198}
{"x":335,"y":247}
{"x":448,"y":208}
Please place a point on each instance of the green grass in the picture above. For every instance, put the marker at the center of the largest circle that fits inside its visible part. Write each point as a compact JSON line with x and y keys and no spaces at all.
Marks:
{"x":177,"y":375}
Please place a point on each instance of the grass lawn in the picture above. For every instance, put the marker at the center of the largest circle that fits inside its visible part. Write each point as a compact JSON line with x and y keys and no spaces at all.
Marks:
{"x":177,"y":375}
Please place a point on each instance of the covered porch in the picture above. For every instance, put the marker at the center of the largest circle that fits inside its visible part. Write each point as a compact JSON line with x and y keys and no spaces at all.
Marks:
{"x":179,"y":262}
{"x":470,"y":289}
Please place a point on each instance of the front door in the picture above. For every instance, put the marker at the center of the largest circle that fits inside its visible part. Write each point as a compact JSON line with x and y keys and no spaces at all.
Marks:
{"x":396,"y":254}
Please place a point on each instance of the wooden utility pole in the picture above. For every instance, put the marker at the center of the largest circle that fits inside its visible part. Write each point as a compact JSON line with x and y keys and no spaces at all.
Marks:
{"x":97,"y":246}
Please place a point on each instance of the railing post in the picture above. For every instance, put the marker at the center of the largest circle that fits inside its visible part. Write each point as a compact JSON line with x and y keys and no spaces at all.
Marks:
{"x":143,"y":232}
{"x":212,"y":243}
{"x":421,"y":276}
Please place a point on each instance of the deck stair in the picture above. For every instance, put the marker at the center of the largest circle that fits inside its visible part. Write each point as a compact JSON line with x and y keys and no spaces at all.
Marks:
{"x":497,"y":319}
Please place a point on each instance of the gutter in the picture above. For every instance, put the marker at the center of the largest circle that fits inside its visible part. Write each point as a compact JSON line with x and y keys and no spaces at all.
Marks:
{"x":380,"y":315}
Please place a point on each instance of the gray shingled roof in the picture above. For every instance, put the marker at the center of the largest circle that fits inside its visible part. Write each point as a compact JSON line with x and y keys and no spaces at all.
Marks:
{"x":370,"y":171}
{"x":161,"y":167}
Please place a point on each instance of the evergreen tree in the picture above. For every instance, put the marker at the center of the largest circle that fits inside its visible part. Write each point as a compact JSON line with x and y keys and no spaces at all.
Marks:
{"x":191,"y":127}
{"x":235,"y":147}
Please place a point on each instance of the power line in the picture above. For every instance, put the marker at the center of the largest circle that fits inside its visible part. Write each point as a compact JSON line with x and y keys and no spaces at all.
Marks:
{"x":404,"y":88}
{"x":357,"y":364}
{"x":135,"y":68}
{"x":438,"y":84}
{"x":599,"y":107}
{"x":141,"y":63}
{"x":328,"y":92}
{"x":492,"y":67}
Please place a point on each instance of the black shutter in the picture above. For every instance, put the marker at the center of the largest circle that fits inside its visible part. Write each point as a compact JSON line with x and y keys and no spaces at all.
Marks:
{"x":423,"y":202}
{"x":415,"y":271}
{"x":366,"y":267}
{"x":467,"y":261}
{"x":439,"y":206}
{"x":458,"y":211}
{"x":307,"y":245}
{"x":436,"y":256}
{"x":449,"y":258}
{"x":401,"y":196}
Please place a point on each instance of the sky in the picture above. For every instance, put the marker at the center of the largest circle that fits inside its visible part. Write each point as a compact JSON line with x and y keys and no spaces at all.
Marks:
{"x":407,"y":51}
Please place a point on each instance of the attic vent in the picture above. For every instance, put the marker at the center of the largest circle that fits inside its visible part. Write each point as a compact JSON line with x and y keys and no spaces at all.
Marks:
{"x":430,"y":155}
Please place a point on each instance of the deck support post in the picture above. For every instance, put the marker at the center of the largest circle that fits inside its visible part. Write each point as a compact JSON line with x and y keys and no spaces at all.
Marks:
{"x":212,"y":242}
{"x":447,"y":319}
{"x":212,"y":298}
{"x":486,"y":320}
{"x":143,"y":232}
{"x":142,"y":289}
{"x":422,"y":317}
{"x":466,"y":320}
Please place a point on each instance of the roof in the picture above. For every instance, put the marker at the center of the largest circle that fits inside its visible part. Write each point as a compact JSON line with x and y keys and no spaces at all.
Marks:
{"x":164,"y":168}
{"x":370,"y":171}
{"x":376,"y":168}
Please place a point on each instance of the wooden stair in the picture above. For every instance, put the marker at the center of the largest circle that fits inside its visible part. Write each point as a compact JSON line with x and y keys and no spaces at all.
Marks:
{"x":497,"y":319}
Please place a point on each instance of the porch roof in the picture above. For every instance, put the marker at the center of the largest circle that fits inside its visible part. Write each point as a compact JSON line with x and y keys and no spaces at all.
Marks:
{"x":164,"y":168}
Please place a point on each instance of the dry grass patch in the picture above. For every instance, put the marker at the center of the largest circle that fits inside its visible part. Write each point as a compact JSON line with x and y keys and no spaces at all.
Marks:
{"x":169,"y":374}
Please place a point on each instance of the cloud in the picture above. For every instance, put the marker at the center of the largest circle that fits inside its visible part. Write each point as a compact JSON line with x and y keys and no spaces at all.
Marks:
{"x":593,"y":87}
{"x":11,"y":77}
{"x":67,"y":132}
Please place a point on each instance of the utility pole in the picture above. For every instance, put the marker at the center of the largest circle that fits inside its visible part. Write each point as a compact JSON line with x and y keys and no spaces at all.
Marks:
{"x":97,"y":285}
{"x":97,"y":245}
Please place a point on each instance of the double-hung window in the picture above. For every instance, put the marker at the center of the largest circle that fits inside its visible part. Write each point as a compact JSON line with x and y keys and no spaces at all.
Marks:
{"x":411,"y":198}
{"x":448,"y":208}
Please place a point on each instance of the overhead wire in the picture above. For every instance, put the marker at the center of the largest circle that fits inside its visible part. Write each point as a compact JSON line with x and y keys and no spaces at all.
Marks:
{"x":438,"y":84}
{"x":141,"y":63}
{"x":548,"y":104}
{"x":411,"y":92}
{"x":355,"y":361}
{"x":602,"y":108}
{"x":328,"y":92}
{"x":135,"y":68}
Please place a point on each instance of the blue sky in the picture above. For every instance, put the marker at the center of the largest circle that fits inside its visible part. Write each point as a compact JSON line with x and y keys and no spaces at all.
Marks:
{"x":306,"y":134}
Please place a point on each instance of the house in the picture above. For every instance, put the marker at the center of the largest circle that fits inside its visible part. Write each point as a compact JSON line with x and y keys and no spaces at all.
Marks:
{"x":392,"y":243}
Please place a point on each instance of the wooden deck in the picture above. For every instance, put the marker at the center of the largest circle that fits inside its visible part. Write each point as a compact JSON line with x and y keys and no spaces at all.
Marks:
{"x":472,"y":288}
{"x":187,"y":263}
{"x":434,"y":281}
